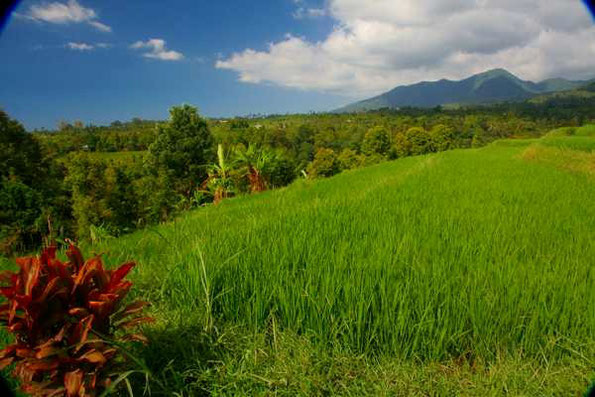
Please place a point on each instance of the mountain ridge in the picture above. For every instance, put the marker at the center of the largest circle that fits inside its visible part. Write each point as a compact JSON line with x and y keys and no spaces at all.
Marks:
{"x":494,"y":85}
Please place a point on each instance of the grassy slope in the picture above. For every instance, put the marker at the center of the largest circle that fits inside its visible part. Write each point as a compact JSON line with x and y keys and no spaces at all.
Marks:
{"x":468,"y":272}
{"x":476,"y":256}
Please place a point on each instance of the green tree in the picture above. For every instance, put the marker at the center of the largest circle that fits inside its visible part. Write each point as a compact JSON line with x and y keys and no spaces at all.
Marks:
{"x":20,"y":153}
{"x":443,"y":137}
{"x":349,"y":159}
{"x":86,"y":181}
{"x":479,"y":139}
{"x":155,"y":199}
{"x":420,"y":140}
{"x":303,"y":146}
{"x":22,"y":184}
{"x":376,"y":142}
{"x":325,"y":164}
{"x":20,"y":216}
{"x":104,"y":194}
{"x":282,"y":170}
{"x":401,"y":146}
{"x":184,"y":147}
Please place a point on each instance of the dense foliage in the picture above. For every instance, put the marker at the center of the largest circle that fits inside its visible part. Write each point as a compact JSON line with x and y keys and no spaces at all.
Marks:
{"x":183,"y":147}
{"x":23,"y":189}
{"x":95,"y":182}
{"x":67,"y":318}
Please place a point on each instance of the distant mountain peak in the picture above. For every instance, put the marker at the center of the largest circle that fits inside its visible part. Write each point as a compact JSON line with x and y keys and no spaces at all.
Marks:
{"x":496,"y":72}
{"x":494,"y":85}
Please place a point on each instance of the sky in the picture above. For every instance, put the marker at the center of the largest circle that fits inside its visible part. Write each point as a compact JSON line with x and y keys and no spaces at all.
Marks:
{"x":103,"y":60}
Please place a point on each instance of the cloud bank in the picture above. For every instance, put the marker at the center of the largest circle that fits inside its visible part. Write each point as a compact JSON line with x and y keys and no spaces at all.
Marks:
{"x":64,"y":13}
{"x":376,"y":45}
{"x":157,"y":50}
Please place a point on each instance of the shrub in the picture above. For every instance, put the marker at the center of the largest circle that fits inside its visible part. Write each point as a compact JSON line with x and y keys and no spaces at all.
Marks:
{"x":325,"y":164}
{"x":420,"y":140}
{"x":220,"y":181}
{"x":376,"y":141}
{"x":401,"y":147}
{"x":256,"y":164}
{"x":282,"y":170}
{"x":348,"y":159}
{"x":65,"y":317}
{"x":443,"y":137}
{"x":105,"y":192}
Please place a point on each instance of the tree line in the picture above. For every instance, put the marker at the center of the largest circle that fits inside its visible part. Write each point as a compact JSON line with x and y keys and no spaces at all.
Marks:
{"x":94,"y":182}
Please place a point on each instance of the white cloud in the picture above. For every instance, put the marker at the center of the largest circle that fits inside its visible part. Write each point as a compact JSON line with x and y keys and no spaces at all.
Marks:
{"x":64,"y":13}
{"x":80,"y":46}
{"x":100,"y":26}
{"x":157,"y":50}
{"x":379,"y":44}
{"x":304,"y":12}
{"x":86,"y":46}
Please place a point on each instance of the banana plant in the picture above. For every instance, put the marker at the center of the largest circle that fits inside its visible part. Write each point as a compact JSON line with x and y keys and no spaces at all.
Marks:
{"x":220,"y":181}
{"x":256,"y":163}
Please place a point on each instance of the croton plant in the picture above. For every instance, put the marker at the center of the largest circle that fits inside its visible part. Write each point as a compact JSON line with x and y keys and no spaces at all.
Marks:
{"x":69,"y":322}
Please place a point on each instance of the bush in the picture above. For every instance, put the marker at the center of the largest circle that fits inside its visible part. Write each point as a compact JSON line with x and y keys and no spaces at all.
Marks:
{"x":376,"y":141}
{"x":401,"y":146}
{"x":443,"y":137}
{"x":349,"y":159}
{"x":65,"y":317}
{"x":325,"y":164}
{"x":282,"y":170}
{"x":420,"y":140}
{"x":108,"y":193}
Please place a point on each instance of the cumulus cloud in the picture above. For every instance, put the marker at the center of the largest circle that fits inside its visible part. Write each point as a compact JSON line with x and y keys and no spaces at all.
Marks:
{"x":157,"y":50}
{"x":64,"y":13}
{"x":80,"y":46}
{"x":379,"y":44}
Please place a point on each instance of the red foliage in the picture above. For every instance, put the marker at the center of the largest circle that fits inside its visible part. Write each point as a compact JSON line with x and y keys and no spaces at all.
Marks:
{"x":60,"y":313}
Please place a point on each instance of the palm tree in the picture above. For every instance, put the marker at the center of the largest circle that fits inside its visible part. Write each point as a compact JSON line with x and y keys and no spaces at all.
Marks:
{"x":219,"y":181}
{"x":256,"y":163}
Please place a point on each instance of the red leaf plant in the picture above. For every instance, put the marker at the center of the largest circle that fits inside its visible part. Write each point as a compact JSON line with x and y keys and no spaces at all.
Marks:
{"x":64,"y":316}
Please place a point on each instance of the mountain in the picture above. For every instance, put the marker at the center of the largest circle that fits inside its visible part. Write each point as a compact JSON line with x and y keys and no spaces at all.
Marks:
{"x":590,"y":86}
{"x":491,"y":86}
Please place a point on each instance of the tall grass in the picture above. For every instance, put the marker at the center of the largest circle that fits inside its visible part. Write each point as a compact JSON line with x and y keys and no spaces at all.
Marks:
{"x":477,"y":259}
{"x":465,"y":253}
{"x":582,"y":143}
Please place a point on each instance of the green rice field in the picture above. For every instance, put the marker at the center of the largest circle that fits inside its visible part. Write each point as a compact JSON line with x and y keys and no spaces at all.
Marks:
{"x":468,"y":272}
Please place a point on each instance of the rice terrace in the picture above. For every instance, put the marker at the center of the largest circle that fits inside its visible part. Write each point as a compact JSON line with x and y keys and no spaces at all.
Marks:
{"x":435,"y":239}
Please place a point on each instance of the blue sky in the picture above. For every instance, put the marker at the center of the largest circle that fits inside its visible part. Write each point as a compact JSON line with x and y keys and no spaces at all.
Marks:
{"x":45,"y":81}
{"x":99,"y":61}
